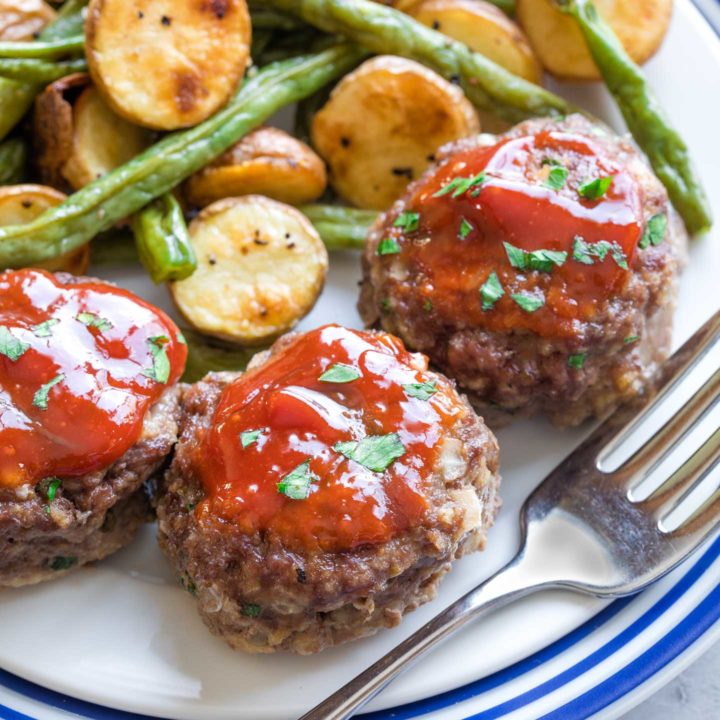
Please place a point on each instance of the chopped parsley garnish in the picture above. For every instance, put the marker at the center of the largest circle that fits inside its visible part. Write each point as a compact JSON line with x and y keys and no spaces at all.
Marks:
{"x":529,"y":303}
{"x":421,"y":391}
{"x":296,"y":485}
{"x":11,"y":347}
{"x":388,"y":246}
{"x":53,"y":488}
{"x":586,"y":253}
{"x":375,"y":452}
{"x":160,"y":371}
{"x":249,"y":437}
{"x":181,"y":338}
{"x":427,"y":305}
{"x":577,"y":361}
{"x":654,"y":232}
{"x":44,"y":329}
{"x":631,"y":339}
{"x":339,"y":373}
{"x":491,"y":291}
{"x":595,"y":189}
{"x":542,"y":260}
{"x":40,"y":399}
{"x":62,"y":563}
{"x":466,"y":227}
{"x":94,"y":321}
{"x":251,"y":609}
{"x":460,"y":185}
{"x":386,"y":305}
{"x":556,"y":177}
{"x":408,"y":221}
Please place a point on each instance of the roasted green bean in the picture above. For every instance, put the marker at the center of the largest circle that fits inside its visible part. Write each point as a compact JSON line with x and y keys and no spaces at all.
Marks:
{"x":340,"y":227}
{"x":39,"y":72}
{"x":206,"y":356}
{"x":45,"y":50}
{"x":13,"y":160}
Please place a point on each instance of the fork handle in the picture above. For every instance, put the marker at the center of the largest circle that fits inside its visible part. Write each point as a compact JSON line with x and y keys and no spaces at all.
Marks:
{"x":502,"y":588}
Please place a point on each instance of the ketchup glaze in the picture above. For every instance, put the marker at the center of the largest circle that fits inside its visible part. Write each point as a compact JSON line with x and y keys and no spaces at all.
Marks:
{"x":80,"y":364}
{"x":282,"y":416}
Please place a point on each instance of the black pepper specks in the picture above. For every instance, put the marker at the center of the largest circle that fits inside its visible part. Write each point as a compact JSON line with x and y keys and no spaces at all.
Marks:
{"x":141,"y":14}
{"x":436,"y":25}
{"x":166,"y":21}
{"x":26,"y":203}
{"x":403,"y":172}
{"x":212,"y":260}
{"x":260,"y":242}
{"x":301,"y":576}
{"x":345,"y":141}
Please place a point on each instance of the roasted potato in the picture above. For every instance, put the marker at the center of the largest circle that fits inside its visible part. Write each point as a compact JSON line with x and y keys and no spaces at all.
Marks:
{"x":267,"y":162}
{"x":261,"y":266}
{"x":483,"y":27}
{"x":19,"y":204}
{"x":22,"y":19}
{"x":77,"y":137}
{"x":166,"y":64}
{"x":559,"y":44}
{"x":382,"y":125}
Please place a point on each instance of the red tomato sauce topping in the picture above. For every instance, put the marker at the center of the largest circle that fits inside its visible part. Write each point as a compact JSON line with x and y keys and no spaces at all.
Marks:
{"x":459,"y":241}
{"x":283,"y":417}
{"x":80,"y":364}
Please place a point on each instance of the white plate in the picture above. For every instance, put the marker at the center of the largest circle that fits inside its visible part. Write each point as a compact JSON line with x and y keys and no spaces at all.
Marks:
{"x":123,"y":635}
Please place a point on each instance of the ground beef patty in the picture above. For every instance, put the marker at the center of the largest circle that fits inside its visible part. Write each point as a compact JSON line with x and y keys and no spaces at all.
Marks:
{"x":343,"y":560}
{"x":459,"y":268}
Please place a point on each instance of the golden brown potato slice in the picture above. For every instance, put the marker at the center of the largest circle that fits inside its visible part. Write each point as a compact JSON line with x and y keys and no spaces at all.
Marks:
{"x":382,"y":125}
{"x":484,"y":28}
{"x":261,"y":267}
{"x":167,"y":64}
{"x":19,"y":204}
{"x":267,"y":162}
{"x":640,"y":26}
{"x":22,"y":19}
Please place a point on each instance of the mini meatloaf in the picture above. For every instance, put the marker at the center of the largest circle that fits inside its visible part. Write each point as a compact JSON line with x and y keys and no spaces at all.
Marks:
{"x":324,"y":493}
{"x":537,"y":268}
{"x":87,"y":414}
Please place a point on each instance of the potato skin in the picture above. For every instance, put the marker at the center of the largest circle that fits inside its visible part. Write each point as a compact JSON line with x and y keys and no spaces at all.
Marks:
{"x":166,"y":64}
{"x":267,"y":162}
{"x":261,"y":267}
{"x":558,"y":42}
{"x":382,"y":125}
{"x":21,"y":19}
{"x":19,"y":204}
{"x":483,"y":27}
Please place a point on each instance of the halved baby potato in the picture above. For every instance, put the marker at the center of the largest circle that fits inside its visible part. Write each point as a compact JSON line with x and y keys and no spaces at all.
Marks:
{"x":382,"y":125}
{"x":20,"y":204}
{"x":558,"y":42}
{"x":166,"y":64}
{"x":261,"y":266}
{"x":266,"y":162}
{"x":485,"y":28}
{"x":22,"y":19}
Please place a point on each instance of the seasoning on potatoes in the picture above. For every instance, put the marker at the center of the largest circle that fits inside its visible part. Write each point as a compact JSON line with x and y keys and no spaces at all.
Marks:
{"x":23,"y":19}
{"x":558,"y":42}
{"x":267,"y":162}
{"x":260,"y":268}
{"x":382,"y":125}
{"x":20,"y":204}
{"x":166,"y":64}
{"x":77,"y":137}
{"x":485,"y":28}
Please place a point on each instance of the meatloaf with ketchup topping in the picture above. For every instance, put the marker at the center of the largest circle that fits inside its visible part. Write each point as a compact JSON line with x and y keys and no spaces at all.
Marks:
{"x":323,"y":494}
{"x":537,"y":268}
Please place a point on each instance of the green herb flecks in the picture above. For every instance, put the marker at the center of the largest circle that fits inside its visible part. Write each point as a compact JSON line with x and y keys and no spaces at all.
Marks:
{"x":596,"y":188}
{"x":40,"y":399}
{"x":249,"y":437}
{"x":44,"y":329}
{"x":52,"y":488}
{"x":408,"y":221}
{"x":251,"y":610}
{"x":92,"y":320}
{"x":340,"y":373}
{"x":160,"y":370}
{"x":375,"y":452}
{"x":586,"y":253}
{"x":631,"y":339}
{"x":654,"y":232}
{"x":421,"y":391}
{"x":388,"y":246}
{"x":491,"y":291}
{"x":577,"y":361}
{"x":541,"y":260}
{"x":60,"y":562}
{"x":296,"y":485}
{"x":10,"y":346}
{"x":529,"y":303}
{"x":466,"y":227}
{"x":460,"y":185}
{"x":556,"y":177}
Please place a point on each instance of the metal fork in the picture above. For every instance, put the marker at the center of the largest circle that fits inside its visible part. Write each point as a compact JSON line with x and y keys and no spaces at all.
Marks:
{"x":581,"y":528}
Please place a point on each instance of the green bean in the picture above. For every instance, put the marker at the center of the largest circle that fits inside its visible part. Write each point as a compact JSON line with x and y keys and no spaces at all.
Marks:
{"x":340,"y":227}
{"x":13,"y":160}
{"x":644,"y":116}
{"x":46,"y":50}
{"x":507,"y":6}
{"x":39,"y":72}
{"x":130,"y":187}
{"x":16,"y":97}
{"x":382,"y":29}
{"x":206,"y":356}
{"x":265,"y":19}
{"x":114,"y":247}
{"x":163,"y":242}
